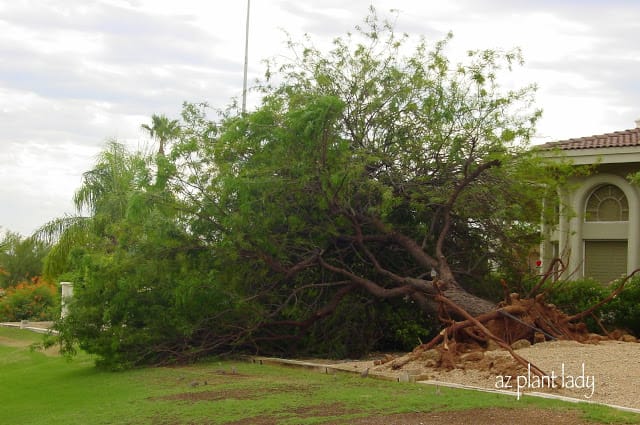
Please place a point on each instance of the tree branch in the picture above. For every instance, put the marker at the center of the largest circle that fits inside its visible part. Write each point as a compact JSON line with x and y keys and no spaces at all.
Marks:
{"x":367,"y":284}
{"x":460,"y":186}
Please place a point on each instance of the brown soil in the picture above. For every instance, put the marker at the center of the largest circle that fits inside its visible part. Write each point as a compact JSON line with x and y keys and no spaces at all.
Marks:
{"x":211,"y":395}
{"x":238,"y":394}
{"x":324,"y":410}
{"x":8,"y":342}
{"x":474,"y":416}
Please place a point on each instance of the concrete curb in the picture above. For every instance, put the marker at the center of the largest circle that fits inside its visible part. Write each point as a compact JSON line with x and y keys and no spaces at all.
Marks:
{"x":329,"y":369}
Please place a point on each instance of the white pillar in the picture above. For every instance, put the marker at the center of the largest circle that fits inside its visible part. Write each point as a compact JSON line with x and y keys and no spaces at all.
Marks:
{"x":633,"y":259}
{"x":567,"y":249}
{"x":67,"y":294}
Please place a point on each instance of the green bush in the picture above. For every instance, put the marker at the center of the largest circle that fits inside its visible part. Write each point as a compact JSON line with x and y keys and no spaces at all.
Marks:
{"x":624,"y":311}
{"x":148,"y":309}
{"x":576,"y":296}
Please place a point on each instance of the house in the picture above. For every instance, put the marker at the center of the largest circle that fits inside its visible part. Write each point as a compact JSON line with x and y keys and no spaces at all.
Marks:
{"x":597,"y":233}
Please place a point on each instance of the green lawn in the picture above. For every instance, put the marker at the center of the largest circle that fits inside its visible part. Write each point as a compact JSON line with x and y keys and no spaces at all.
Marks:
{"x":36,"y":388}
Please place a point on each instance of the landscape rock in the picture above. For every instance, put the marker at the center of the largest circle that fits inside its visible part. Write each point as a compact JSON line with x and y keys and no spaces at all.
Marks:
{"x":492,"y":345}
{"x":521,"y":343}
{"x":473,"y":356}
{"x":628,"y":338}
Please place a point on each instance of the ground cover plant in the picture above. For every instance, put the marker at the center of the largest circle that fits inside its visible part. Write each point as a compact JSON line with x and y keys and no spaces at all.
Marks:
{"x":44,"y":388}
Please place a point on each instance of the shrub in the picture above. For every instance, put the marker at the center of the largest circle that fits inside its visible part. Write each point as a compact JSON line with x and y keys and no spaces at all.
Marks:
{"x":34,"y":300}
{"x":576,"y":296}
{"x":624,"y":311}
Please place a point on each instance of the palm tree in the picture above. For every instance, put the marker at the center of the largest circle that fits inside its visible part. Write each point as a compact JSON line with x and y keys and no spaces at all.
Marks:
{"x":162,"y":129}
{"x":104,"y":198}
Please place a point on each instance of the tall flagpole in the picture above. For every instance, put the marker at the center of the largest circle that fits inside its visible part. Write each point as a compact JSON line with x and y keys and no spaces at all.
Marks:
{"x":246,"y":60}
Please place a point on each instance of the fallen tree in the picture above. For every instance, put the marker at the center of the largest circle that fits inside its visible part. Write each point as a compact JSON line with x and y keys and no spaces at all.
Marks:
{"x":367,"y":173}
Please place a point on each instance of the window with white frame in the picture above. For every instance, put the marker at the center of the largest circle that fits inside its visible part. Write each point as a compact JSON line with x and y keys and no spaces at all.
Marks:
{"x":607,"y":203}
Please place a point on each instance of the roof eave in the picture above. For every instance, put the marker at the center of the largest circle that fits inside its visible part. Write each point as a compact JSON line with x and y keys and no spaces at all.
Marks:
{"x":588,"y":156}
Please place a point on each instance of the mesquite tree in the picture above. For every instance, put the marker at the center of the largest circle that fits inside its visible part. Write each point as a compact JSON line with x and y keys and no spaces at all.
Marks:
{"x":368,"y":170}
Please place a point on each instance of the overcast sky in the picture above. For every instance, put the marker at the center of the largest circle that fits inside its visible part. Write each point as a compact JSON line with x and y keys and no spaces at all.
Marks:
{"x":76,"y":73}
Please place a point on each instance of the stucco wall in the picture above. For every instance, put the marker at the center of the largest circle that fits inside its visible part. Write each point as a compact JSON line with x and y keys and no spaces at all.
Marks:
{"x":571,"y":230}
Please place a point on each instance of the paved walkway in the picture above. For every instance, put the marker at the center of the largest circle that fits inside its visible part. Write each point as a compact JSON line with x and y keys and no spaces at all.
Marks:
{"x":40,"y":327}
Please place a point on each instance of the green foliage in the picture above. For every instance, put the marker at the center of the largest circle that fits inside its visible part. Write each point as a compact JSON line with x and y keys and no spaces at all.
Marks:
{"x":149,"y":307}
{"x":163,"y":130}
{"x":24,"y":295}
{"x":624,"y":311}
{"x":145,"y":288}
{"x":573,"y":297}
{"x":20,"y":259}
{"x":347,"y":149}
{"x":350,"y":332}
{"x":409,"y":137}
{"x":362,"y":325}
{"x":33,"y":300}
{"x":400,"y":328}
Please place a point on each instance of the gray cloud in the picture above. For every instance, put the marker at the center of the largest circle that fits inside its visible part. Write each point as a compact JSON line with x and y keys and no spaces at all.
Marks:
{"x":93,"y":17}
{"x":74,"y":73}
{"x":329,"y":19}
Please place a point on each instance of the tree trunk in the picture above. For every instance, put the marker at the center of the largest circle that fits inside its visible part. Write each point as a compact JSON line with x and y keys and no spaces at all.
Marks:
{"x":451,"y":289}
{"x":472,"y":304}
{"x":469,"y":302}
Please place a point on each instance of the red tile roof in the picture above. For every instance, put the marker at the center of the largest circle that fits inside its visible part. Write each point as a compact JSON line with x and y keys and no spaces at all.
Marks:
{"x":617,"y":139}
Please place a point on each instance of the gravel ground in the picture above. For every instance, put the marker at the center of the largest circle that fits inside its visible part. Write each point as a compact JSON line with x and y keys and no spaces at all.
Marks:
{"x":607,"y":372}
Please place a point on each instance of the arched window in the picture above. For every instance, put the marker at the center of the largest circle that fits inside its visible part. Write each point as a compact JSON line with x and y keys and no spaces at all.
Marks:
{"x":607,"y":203}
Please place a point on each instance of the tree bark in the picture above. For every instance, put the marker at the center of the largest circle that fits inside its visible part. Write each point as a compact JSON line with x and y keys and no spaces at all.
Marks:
{"x":472,"y":304}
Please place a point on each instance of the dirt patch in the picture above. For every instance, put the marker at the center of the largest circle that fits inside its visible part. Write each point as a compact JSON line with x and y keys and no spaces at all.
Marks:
{"x":8,"y":342}
{"x":331,"y":409}
{"x":52,"y":351}
{"x":258,"y":420}
{"x":212,"y":395}
{"x":491,"y":416}
{"x":318,"y":411}
{"x":238,"y":394}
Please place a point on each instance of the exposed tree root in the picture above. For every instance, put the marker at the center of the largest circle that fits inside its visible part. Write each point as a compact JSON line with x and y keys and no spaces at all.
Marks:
{"x":530,"y":319}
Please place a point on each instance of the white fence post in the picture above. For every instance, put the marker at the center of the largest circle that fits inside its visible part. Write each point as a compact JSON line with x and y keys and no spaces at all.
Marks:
{"x":67,"y":294}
